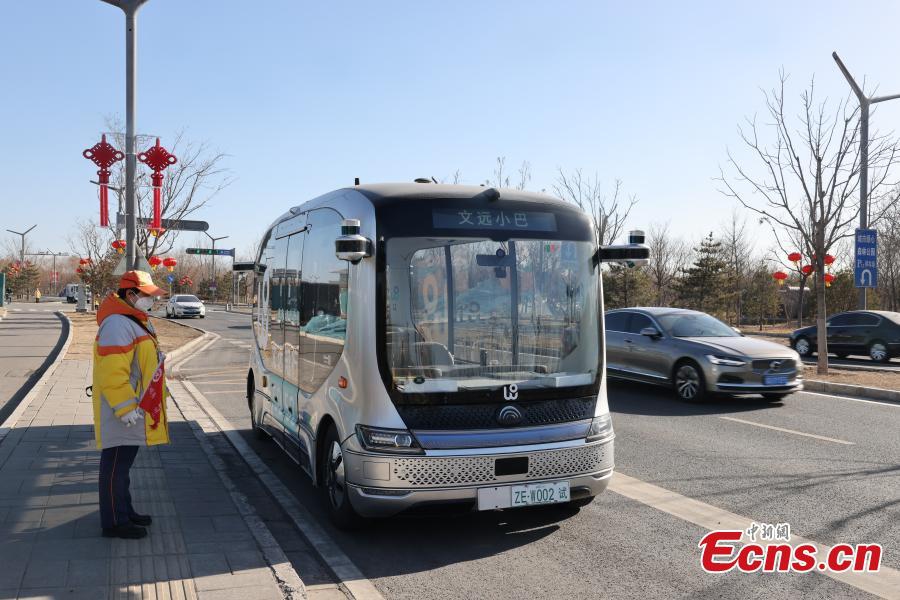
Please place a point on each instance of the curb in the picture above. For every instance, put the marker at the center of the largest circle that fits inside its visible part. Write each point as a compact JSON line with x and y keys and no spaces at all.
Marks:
{"x":175,"y":355}
{"x":857,"y":391}
{"x":348,"y":574}
{"x":287,"y":578}
{"x":13,"y":418}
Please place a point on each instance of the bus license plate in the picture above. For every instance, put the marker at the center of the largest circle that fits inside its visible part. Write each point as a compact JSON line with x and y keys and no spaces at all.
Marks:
{"x":539,"y":493}
{"x":775,"y":380}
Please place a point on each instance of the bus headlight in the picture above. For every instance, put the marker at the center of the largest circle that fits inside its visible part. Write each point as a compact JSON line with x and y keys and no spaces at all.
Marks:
{"x":379,"y":439}
{"x":601,"y":428}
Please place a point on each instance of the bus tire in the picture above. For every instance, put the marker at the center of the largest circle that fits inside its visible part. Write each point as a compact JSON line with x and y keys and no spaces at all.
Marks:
{"x":258,"y":432}
{"x":334,"y":486}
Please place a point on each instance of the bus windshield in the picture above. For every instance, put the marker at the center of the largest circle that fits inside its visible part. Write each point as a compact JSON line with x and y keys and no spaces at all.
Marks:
{"x":475,"y":314}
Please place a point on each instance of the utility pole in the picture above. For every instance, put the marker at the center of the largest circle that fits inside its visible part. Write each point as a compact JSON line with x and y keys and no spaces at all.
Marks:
{"x":55,"y":276}
{"x":22,"y":235}
{"x":213,"y":257}
{"x":864,"y":103}
{"x":130,"y":8}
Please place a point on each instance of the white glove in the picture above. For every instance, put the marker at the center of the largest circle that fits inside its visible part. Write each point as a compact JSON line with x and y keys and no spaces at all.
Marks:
{"x":130,"y":418}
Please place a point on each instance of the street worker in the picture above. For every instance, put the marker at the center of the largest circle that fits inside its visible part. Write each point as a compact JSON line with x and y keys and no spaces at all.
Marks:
{"x":129,"y":396}
{"x":37,"y":295}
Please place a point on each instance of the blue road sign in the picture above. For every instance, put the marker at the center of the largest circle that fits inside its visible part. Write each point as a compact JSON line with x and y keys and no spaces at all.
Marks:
{"x":171,"y":278}
{"x":865,"y":267}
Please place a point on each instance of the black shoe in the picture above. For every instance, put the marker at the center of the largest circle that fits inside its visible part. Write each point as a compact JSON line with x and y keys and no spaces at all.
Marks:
{"x":126,"y":532}
{"x":142,"y":520}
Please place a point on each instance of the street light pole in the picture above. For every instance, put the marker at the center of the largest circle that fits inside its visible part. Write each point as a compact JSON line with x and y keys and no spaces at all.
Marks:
{"x":130,"y":8}
{"x":22,"y":235}
{"x":213,"y":257}
{"x":864,"y":103}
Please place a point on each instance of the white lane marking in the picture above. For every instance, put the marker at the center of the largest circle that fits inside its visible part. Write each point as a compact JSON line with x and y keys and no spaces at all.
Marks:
{"x":206,"y":371}
{"x":884,"y":584}
{"x":867,"y":401}
{"x":339,"y":563}
{"x":213,"y":393}
{"x":218,"y":381}
{"x":795,"y":432}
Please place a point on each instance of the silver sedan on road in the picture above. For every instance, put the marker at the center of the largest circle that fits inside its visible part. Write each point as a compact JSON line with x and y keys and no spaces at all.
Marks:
{"x":697,"y":355}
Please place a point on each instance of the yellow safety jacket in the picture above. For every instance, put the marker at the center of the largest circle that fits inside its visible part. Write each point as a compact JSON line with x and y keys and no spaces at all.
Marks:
{"x":126,"y":355}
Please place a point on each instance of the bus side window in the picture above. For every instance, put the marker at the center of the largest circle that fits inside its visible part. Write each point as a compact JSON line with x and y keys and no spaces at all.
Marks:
{"x":323,"y":300}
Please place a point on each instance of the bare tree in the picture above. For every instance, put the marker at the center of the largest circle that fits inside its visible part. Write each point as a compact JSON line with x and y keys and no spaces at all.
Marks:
{"x":188,"y":185}
{"x":668,"y":257}
{"x":807,"y":180}
{"x":93,"y":242}
{"x":889,"y":261}
{"x":609,"y":212}
{"x":737,"y":250}
{"x":502,"y":180}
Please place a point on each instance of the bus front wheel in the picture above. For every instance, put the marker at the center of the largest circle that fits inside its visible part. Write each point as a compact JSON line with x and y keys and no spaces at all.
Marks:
{"x":334,"y":483}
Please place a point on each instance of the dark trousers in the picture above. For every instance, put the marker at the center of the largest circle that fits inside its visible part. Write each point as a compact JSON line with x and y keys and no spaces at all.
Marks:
{"x":115,"y":497}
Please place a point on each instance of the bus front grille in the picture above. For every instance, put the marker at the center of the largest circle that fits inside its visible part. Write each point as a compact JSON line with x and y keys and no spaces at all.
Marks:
{"x":479,"y":470}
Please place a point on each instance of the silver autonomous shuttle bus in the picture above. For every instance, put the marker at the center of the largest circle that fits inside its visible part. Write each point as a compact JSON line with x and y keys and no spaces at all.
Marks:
{"x":432,"y":344}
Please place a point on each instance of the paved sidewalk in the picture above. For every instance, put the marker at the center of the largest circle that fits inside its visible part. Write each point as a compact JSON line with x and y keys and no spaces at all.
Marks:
{"x":199,"y":544}
{"x":25,"y":341}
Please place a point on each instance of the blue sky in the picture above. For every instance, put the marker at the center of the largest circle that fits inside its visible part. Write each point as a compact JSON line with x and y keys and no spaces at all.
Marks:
{"x":306,"y":96}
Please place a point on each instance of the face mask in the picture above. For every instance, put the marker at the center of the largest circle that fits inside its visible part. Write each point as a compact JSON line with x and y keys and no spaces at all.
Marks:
{"x":144,"y":303}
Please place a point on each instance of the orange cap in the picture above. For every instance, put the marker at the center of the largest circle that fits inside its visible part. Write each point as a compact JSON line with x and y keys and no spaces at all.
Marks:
{"x":142,"y":281}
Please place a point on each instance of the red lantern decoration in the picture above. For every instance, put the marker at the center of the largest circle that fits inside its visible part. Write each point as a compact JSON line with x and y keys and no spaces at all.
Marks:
{"x":807,"y":270}
{"x":170,"y":264}
{"x":829,"y":279}
{"x":154,"y":261}
{"x":119,"y":246}
{"x":828,"y":260}
{"x":157,"y":158}
{"x":79,"y":270}
{"x":780,"y":277}
{"x":795,"y":257}
{"x":104,"y":156}
{"x":84,"y":261}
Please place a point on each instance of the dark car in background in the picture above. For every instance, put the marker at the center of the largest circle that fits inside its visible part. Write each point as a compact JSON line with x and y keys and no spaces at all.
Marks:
{"x":697,"y":355}
{"x":872,"y":333}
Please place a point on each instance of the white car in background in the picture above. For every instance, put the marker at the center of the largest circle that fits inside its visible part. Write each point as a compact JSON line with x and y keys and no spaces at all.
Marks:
{"x":185,"y":305}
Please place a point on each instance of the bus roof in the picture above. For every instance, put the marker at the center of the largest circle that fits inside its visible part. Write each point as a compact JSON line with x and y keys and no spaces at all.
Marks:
{"x":381,"y":194}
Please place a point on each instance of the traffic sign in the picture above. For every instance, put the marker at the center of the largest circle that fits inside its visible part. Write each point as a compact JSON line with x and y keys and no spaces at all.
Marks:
{"x":865,"y":271}
{"x":172,"y":224}
{"x":213,"y":287}
{"x":171,"y":278}
{"x":211,"y":252}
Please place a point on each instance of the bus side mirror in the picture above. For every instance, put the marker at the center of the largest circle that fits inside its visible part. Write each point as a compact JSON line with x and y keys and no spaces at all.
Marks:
{"x":351,"y":245}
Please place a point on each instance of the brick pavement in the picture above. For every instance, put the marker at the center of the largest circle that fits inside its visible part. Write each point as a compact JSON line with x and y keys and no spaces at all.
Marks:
{"x":199,"y":544}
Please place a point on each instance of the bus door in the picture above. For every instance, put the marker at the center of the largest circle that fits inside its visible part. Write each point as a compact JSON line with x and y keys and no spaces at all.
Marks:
{"x":296,"y":441}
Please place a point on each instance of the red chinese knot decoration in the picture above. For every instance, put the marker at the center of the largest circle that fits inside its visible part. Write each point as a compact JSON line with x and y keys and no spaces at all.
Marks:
{"x":158,"y":159}
{"x":104,"y":155}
